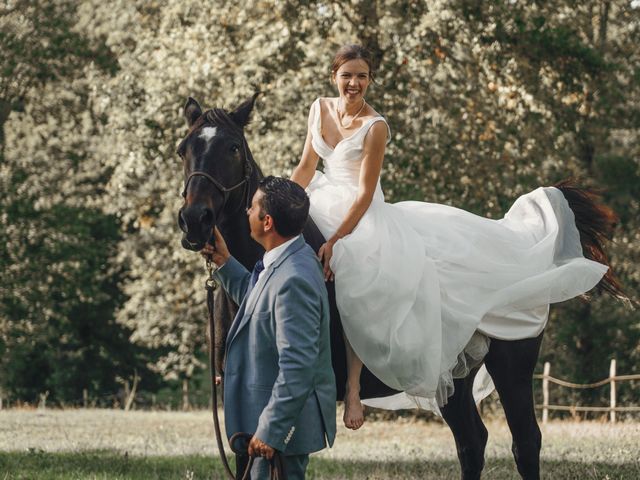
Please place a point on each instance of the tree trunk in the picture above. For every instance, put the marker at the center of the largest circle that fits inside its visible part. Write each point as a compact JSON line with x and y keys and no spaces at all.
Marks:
{"x":5,"y":110}
{"x":604,"y":21}
{"x":364,"y":18}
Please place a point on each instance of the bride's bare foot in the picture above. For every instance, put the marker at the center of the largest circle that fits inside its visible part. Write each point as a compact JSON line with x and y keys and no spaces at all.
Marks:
{"x":353,"y":410}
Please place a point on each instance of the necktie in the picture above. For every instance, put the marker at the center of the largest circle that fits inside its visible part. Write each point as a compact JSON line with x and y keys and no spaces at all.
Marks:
{"x":259,"y":267}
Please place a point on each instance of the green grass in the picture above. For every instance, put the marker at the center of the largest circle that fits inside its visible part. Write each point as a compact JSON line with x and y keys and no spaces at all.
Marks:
{"x":103,"y":465}
{"x":106,"y":465}
{"x":117,"y":445}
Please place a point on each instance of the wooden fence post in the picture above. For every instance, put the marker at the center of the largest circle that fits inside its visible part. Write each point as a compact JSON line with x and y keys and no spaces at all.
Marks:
{"x":185,"y":395}
{"x":43,"y":400}
{"x":612,"y":374}
{"x":132,"y":394}
{"x":545,"y":392}
{"x":85,"y":398}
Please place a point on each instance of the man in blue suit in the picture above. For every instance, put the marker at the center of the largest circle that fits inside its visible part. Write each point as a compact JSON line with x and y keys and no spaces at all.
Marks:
{"x":279,"y":383}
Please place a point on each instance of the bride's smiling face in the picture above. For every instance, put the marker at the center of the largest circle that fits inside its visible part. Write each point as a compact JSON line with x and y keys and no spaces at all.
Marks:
{"x":352,"y":80}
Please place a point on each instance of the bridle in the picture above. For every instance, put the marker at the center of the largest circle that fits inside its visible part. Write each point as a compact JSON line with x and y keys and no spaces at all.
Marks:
{"x":218,"y":117}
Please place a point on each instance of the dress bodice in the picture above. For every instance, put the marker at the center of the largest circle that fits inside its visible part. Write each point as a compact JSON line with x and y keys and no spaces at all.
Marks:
{"x":341,"y":163}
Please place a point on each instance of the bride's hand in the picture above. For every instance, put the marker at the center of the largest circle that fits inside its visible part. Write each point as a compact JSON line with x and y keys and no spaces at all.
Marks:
{"x":324,"y":254}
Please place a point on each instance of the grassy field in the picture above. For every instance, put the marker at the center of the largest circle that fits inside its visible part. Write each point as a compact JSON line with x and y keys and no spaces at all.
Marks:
{"x":110,"y":444}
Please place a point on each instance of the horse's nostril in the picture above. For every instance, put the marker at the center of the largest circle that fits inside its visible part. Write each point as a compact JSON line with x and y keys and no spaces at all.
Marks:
{"x":207,"y":216}
{"x":182,"y":223}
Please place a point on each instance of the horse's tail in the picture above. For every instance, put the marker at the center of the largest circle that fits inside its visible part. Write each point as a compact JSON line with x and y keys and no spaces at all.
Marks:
{"x":595,"y":223}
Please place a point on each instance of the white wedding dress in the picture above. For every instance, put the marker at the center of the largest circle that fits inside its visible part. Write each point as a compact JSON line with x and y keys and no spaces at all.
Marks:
{"x":420,"y":286}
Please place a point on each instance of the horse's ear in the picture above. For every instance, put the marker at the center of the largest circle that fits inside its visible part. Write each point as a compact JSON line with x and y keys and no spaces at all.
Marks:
{"x":241,"y":115}
{"x":192,"y":111}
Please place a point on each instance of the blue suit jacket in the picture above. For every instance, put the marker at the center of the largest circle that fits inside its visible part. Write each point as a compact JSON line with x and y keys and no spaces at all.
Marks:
{"x":278,"y":379}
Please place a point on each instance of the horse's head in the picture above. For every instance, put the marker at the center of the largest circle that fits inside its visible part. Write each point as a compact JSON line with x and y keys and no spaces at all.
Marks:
{"x":218,"y":168}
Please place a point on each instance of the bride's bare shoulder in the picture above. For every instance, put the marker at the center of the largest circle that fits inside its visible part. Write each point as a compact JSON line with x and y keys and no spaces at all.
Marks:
{"x":371,"y":113}
{"x":368,"y":113}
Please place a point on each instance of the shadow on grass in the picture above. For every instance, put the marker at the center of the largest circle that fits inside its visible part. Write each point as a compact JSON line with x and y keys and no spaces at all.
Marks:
{"x":109,"y":465}
{"x":495,"y":469}
{"x":103,"y":464}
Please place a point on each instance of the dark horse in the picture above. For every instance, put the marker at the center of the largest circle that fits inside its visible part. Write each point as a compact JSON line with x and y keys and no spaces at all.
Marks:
{"x":220,"y":180}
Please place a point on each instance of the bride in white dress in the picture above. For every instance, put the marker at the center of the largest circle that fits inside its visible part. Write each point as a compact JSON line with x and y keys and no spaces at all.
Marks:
{"x":421,"y":287}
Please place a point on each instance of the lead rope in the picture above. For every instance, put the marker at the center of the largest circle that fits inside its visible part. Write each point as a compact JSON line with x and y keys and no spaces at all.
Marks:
{"x":277,"y":463}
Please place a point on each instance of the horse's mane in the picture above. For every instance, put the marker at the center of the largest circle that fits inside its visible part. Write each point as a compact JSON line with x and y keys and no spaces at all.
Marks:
{"x":221,"y":118}
{"x":216,"y":117}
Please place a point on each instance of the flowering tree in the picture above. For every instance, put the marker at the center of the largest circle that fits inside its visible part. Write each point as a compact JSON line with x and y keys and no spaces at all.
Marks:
{"x":486,"y":100}
{"x":59,"y":289}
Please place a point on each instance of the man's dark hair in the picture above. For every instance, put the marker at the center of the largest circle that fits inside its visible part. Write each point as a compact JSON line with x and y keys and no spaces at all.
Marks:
{"x":286,"y":202}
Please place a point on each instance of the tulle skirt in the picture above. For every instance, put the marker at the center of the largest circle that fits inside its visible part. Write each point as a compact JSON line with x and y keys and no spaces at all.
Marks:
{"x":422,"y":287}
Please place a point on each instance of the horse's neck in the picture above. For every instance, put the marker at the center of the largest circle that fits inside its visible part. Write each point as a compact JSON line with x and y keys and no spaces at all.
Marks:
{"x":237,"y":235}
{"x":235,"y":229}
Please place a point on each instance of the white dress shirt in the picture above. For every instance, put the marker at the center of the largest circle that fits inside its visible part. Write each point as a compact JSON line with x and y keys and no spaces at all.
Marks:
{"x":273,"y":254}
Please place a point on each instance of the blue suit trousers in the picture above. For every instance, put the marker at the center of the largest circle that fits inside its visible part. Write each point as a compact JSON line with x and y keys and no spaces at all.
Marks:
{"x":295,"y":467}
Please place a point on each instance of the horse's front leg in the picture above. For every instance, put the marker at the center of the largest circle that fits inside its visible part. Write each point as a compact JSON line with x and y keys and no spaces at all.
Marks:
{"x":511,"y":365}
{"x":469,"y":432}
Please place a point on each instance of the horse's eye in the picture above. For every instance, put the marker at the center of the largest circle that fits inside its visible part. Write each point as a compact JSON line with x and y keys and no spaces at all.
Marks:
{"x":235,"y":148}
